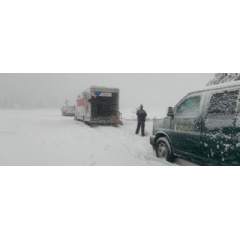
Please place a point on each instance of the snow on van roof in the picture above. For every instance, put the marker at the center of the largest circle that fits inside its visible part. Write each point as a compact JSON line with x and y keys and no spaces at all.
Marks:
{"x":218,"y":86}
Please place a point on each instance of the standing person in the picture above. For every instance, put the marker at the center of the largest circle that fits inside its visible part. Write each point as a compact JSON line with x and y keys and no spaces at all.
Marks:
{"x":94,"y":107}
{"x":141,"y":114}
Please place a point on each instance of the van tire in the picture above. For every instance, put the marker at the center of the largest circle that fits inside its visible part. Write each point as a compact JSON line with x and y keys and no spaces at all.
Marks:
{"x":164,"y":150}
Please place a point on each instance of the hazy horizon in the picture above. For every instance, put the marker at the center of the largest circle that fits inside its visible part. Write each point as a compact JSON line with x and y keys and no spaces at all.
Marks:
{"x":52,"y":89}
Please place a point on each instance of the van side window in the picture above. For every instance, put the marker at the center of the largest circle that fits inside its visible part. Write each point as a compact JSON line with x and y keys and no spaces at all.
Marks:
{"x":223,"y":103}
{"x":189,"y":107}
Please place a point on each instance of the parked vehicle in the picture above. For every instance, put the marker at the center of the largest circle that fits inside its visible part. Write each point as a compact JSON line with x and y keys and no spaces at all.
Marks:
{"x":204,"y":127}
{"x":68,"y":110}
{"x":98,"y":105}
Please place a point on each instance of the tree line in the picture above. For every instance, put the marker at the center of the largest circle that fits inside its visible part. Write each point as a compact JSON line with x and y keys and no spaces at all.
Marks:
{"x":224,"y":77}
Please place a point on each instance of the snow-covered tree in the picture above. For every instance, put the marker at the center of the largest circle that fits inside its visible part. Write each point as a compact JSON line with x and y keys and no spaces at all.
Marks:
{"x":224,"y":77}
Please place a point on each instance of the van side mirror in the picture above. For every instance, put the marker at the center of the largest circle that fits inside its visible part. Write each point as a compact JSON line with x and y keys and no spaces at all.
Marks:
{"x":170,"y":112}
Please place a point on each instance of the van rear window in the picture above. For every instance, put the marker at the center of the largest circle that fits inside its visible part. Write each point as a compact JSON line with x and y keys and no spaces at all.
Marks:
{"x":223,"y":103}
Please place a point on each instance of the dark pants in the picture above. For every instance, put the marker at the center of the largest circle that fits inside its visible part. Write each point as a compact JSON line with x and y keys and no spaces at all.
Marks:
{"x":94,"y":112}
{"x":142,"y":126}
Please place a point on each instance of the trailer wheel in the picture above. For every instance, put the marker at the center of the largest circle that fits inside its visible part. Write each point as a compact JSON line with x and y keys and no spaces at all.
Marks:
{"x":164,"y":150}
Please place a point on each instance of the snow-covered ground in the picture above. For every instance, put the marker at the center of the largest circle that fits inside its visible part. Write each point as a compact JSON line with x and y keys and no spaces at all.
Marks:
{"x":44,"y":137}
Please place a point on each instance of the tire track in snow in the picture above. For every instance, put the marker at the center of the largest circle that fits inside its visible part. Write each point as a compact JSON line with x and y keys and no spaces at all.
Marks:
{"x":107,"y":138}
{"x":139,"y":148}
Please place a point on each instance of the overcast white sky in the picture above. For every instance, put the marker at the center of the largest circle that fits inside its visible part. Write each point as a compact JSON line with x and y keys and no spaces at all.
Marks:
{"x":151,"y":90}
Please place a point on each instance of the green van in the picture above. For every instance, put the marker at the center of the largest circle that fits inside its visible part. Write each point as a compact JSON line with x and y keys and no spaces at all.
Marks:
{"x":203,"y":127}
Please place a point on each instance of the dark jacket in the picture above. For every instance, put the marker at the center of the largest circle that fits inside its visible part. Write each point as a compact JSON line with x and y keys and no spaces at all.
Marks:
{"x":94,"y":102}
{"x":141,"y":114}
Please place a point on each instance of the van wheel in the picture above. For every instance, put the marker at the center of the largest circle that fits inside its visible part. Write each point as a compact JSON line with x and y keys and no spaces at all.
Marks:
{"x":164,"y":150}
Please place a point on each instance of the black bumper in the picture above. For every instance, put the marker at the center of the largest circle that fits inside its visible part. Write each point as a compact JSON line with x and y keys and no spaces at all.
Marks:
{"x":152,"y":142}
{"x":103,"y":122}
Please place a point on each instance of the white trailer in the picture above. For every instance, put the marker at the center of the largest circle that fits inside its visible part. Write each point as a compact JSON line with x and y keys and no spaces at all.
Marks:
{"x":68,"y":110}
{"x":98,"y":105}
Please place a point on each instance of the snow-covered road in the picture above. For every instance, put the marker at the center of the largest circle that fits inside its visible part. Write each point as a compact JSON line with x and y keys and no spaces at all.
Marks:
{"x":44,"y":137}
